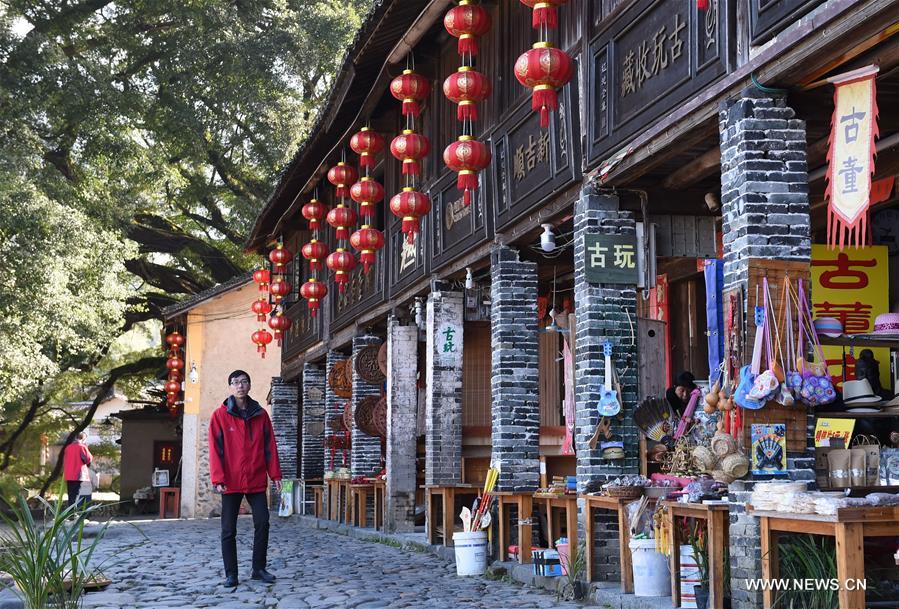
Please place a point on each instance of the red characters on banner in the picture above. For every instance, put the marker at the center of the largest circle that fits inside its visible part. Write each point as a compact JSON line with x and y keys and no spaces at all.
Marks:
{"x":467,"y":156}
{"x":368,"y":241}
{"x":367,"y":193}
{"x":315,"y":211}
{"x":410,"y":205}
{"x":843,"y":277}
{"x":411,"y":89}
{"x":280,"y":257}
{"x":410,"y":147}
{"x":467,"y":22}
{"x":261,"y":338}
{"x":313,"y":291}
{"x":467,"y":87}
{"x":544,"y":69}
{"x":262,"y":277}
{"x":315,"y":251}
{"x":546,"y":13}
{"x":341,"y":262}
{"x":367,"y":143}
{"x":261,"y":308}
{"x":341,"y":176}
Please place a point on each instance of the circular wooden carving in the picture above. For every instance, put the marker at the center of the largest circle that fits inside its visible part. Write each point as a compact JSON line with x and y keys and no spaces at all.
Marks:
{"x":382,"y":358}
{"x":364,"y":418}
{"x":348,"y":416}
{"x":315,"y":429}
{"x":367,"y":365}
{"x":380,"y":417}
{"x":348,"y":372}
{"x":336,"y":425}
{"x":337,"y":381}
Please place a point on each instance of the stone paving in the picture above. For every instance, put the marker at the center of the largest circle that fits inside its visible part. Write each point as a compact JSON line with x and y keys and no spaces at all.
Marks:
{"x":179,"y":565}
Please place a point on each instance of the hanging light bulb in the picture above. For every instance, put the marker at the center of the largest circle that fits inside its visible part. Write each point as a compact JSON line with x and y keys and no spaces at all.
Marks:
{"x":469,"y":280}
{"x":547,"y":239}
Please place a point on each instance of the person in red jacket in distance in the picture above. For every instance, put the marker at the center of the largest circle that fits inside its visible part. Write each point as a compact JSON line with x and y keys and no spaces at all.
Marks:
{"x":75,"y":462}
{"x":242,"y":457}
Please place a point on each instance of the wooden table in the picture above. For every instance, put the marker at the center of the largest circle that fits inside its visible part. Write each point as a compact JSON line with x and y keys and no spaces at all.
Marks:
{"x":447,"y":495}
{"x":717,"y":517}
{"x":338,"y":499}
{"x":358,"y":502}
{"x":569,"y":504}
{"x":318,"y":494}
{"x":615,"y":504}
{"x":525,"y":504}
{"x":849,"y":526}
{"x":380,"y":488}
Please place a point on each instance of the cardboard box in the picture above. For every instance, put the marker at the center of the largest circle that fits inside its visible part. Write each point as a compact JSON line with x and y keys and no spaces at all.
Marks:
{"x":547,"y":563}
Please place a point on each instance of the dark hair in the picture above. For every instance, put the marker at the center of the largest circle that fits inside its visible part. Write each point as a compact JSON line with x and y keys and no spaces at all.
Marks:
{"x":237,"y":374}
{"x":685,"y":379}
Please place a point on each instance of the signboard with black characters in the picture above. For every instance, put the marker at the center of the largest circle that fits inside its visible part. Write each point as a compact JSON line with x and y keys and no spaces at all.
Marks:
{"x":611,"y":259}
{"x":767,"y":17}
{"x":457,"y":227}
{"x":648,"y":60}
{"x":407,"y":262}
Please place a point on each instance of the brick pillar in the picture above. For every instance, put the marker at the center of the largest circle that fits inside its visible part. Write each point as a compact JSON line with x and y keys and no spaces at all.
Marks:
{"x":402,"y":402}
{"x":285,"y":419}
{"x":443,"y":409}
{"x":603,"y":312}
{"x":765,"y":210}
{"x":312,"y":451}
{"x":365,"y":456}
{"x":515,"y":387}
{"x":333,"y":410}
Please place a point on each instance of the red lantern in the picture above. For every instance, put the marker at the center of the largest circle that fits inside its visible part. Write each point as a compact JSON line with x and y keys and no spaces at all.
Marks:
{"x":342,"y":218}
{"x":262,"y":277}
{"x":279,"y":289}
{"x":410,"y":205}
{"x":411,"y":89}
{"x":410,"y":147}
{"x":367,"y":192}
{"x":466,"y":87}
{"x":175,"y":339}
{"x":314,"y":211}
{"x":341,"y":262}
{"x":544,"y":69}
{"x":368,"y":241}
{"x":280,"y":257}
{"x":280,"y":324}
{"x":261,"y":308}
{"x":175,"y":375}
{"x":341,"y":176}
{"x":315,"y":251}
{"x":174,"y":363}
{"x":171,"y":401}
{"x":173,"y":388}
{"x":545,"y":12}
{"x":313,"y":291}
{"x":467,"y":156}
{"x":367,"y":143}
{"x":261,"y":338}
{"x":466,"y":22}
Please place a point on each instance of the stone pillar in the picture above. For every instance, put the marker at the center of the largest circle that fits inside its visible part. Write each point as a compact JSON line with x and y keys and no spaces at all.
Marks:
{"x":312,"y":451}
{"x":443,"y":408}
{"x":285,"y":419}
{"x":514,"y":383}
{"x":765,"y":211}
{"x":365,"y":455}
{"x":402,"y":402}
{"x":333,"y":410}
{"x":603,"y":312}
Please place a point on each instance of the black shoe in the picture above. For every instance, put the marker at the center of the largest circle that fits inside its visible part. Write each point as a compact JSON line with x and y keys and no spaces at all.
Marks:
{"x":264,"y":576}
{"x":230,"y":581}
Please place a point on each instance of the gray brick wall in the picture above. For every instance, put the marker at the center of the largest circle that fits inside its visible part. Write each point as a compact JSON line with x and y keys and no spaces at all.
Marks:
{"x":514,"y":383}
{"x":365,"y":455}
{"x":443,"y":407}
{"x":402,"y":402}
{"x":333,"y":410}
{"x":285,"y":420}
{"x":312,"y":448}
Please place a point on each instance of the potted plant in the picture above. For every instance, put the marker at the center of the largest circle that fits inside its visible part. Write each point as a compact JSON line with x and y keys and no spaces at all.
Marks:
{"x":574,"y":586}
{"x":699,"y":542}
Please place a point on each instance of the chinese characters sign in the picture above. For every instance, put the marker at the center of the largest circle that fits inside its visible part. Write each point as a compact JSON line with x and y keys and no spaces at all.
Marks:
{"x":653,"y":55}
{"x":851,"y":157}
{"x":828,"y":429}
{"x":448,"y":342}
{"x":851,"y":286}
{"x":611,"y":258}
{"x":536,"y":150}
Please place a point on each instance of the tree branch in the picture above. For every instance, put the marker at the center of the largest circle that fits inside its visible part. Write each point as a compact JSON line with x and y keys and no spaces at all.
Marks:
{"x":166,"y":278}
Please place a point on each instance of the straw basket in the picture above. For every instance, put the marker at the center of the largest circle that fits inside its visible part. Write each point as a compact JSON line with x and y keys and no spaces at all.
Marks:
{"x":723,"y":444}
{"x":625,"y":492}
{"x":736,"y":465}
{"x":704,"y":459}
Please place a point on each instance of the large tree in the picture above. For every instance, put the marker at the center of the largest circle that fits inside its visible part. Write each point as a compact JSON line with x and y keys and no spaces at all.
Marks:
{"x":138,"y":141}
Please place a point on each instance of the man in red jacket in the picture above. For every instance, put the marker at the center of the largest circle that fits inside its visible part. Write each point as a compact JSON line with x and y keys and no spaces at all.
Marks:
{"x":76,"y":459}
{"x":242,"y":457}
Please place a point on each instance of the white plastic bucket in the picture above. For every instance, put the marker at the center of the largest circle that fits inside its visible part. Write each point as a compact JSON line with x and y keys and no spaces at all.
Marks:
{"x":651,"y":572}
{"x":471,"y":553}
{"x":689,"y":577}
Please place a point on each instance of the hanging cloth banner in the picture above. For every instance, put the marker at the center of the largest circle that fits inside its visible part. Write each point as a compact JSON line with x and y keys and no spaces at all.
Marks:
{"x":714,"y":315}
{"x":850,"y":157}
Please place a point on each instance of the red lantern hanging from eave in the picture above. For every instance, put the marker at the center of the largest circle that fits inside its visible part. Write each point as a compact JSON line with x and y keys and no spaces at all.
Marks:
{"x":367,"y":143}
{"x":411,"y":89}
{"x":368,"y":241}
{"x":544,"y":69}
{"x":175,"y":339}
{"x":546,"y":12}
{"x":410,"y":205}
{"x":467,"y":22}
{"x":172,"y":388}
{"x":261,"y":308}
{"x":467,"y":87}
{"x":314,"y":291}
{"x":279,"y":289}
{"x":174,"y":363}
{"x":175,"y":375}
{"x":261,"y":338}
{"x":280,"y":324}
{"x":315,"y":251}
{"x":410,"y":147}
{"x":314,"y":211}
{"x":367,"y":192}
{"x":280,"y":258}
{"x":263,"y":278}
{"x":467,"y":156}
{"x":341,"y":262}
{"x":342,"y":218}
{"x":341,"y":176}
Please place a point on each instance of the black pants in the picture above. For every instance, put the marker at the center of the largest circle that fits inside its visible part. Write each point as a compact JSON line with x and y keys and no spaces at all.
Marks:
{"x":72,"y":489}
{"x":230,"y":507}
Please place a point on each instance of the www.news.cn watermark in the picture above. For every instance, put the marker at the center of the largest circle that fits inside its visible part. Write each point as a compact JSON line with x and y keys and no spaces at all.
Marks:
{"x":805,"y":585}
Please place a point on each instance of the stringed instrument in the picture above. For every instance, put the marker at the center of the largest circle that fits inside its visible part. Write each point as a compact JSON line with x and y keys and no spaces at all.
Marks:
{"x":609,"y":405}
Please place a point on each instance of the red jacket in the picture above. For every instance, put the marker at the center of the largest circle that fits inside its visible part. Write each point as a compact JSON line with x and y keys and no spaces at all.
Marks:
{"x":76,"y":456}
{"x":242,"y":448}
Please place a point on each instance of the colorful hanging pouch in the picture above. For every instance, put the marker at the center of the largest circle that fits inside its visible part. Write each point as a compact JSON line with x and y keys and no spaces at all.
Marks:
{"x":817,"y":387}
{"x":766,"y":384}
{"x":792,"y":377}
{"x":749,"y":372}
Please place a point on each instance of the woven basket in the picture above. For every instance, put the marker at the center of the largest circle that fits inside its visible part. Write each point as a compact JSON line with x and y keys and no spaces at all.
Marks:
{"x":720,"y":476}
{"x":736,"y":465}
{"x":704,"y":459}
{"x":723,"y":444}
{"x":625,"y":492}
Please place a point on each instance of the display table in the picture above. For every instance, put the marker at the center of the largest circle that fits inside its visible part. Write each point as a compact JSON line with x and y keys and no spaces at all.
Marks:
{"x":849,"y":526}
{"x":524,"y":502}
{"x":380,"y":490}
{"x":717,"y":517}
{"x":338,"y":499}
{"x":567,"y":503}
{"x":170,"y":502}
{"x":359,"y":494}
{"x":318,"y":498}
{"x":447,"y":496}
{"x":615,"y":504}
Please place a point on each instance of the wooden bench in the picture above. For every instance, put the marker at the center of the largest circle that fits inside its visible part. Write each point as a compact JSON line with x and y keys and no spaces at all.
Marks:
{"x":615,"y":504}
{"x":359,"y":494}
{"x":447,"y":495}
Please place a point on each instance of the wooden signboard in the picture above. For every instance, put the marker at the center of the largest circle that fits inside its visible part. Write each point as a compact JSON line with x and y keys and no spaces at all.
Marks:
{"x":456,"y":227}
{"x":767,"y":17}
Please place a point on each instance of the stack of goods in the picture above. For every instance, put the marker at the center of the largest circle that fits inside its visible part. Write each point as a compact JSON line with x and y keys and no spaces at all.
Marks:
{"x":559,"y":486}
{"x":829,"y":506}
{"x":721,"y":459}
{"x":771,"y":496}
{"x":626,"y":487}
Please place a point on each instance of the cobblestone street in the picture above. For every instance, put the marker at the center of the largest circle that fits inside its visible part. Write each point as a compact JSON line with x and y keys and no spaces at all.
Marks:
{"x":179,"y":565}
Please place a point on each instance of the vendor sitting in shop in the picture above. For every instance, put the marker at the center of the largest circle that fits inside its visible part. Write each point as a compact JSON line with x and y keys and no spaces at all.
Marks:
{"x":679,"y":394}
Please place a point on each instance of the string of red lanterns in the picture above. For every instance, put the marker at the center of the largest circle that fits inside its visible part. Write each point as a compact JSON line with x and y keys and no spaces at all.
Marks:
{"x":175,"y":365}
{"x":315,"y":251}
{"x":342,"y":218}
{"x":367,"y":192}
{"x":467,"y":22}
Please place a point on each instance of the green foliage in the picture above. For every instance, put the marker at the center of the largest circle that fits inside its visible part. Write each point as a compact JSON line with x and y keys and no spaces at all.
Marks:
{"x":808,"y":557}
{"x":575,"y":580}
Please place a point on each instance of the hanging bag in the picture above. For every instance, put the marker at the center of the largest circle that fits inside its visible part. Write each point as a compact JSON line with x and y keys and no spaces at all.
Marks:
{"x":749,"y":372}
{"x":766,"y":384}
{"x":817,"y":387}
{"x":792,"y":377}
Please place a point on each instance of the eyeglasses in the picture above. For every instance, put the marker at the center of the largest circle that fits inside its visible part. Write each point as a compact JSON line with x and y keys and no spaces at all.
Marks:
{"x":241,"y":382}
